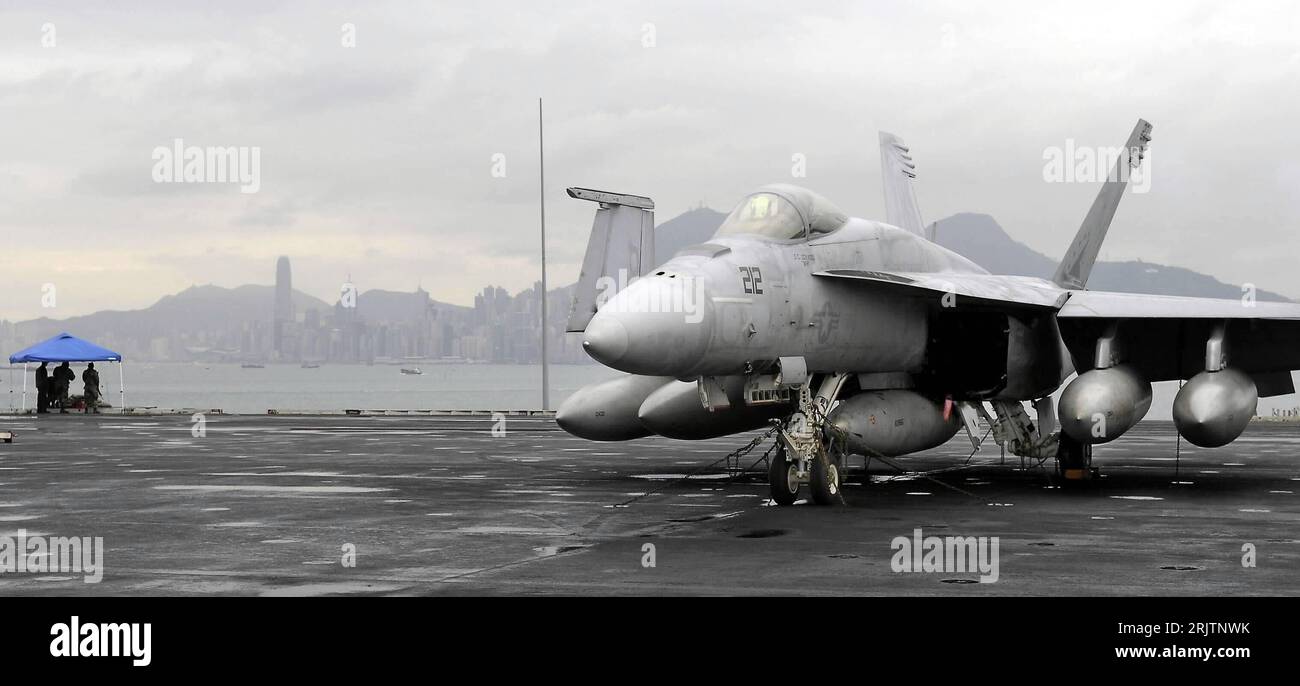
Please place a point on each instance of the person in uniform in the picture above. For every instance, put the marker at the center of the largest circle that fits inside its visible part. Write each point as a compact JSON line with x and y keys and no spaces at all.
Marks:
{"x":63,"y":378}
{"x":42,"y":388}
{"x":90,"y":378}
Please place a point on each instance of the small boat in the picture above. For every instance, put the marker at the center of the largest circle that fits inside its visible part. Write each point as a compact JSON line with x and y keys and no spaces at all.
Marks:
{"x":310,"y":365}
{"x":412,"y":370}
{"x":252,"y":366}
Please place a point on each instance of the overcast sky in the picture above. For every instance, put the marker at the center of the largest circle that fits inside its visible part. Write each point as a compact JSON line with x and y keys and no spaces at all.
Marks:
{"x":377,"y":160}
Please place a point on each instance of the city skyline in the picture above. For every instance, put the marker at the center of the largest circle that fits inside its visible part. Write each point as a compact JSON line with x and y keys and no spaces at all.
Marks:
{"x":978,"y":237}
{"x":368,"y":327}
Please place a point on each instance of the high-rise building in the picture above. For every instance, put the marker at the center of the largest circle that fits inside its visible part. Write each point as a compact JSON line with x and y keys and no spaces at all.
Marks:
{"x":283,"y":305}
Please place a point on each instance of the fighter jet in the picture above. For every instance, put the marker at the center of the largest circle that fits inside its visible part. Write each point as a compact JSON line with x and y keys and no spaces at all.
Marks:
{"x":850,"y":336}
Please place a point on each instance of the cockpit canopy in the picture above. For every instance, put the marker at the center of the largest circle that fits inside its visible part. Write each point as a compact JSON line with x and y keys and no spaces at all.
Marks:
{"x":783,"y":212}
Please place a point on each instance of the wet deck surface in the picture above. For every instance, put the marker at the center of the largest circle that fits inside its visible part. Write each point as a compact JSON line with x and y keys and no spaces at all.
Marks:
{"x":264,"y":506}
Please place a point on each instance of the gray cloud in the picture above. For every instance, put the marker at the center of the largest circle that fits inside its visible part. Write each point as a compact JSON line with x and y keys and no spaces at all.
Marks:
{"x":377,"y":159}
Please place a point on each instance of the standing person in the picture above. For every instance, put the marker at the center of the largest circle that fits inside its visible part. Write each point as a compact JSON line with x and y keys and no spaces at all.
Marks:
{"x":90,"y":377}
{"x":42,"y":388}
{"x":63,"y":378}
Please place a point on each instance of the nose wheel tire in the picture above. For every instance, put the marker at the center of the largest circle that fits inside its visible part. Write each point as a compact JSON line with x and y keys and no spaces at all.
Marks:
{"x":824,"y":481}
{"x":783,"y":479}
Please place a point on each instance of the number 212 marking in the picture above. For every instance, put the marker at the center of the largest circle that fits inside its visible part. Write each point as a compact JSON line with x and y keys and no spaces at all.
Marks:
{"x":752,"y":280}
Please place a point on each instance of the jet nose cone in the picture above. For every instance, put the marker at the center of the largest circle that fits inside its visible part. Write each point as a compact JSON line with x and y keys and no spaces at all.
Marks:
{"x":605,"y":339}
{"x":657,"y":326}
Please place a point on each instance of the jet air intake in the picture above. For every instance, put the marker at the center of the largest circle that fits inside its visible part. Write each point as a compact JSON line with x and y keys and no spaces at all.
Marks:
{"x":1102,"y":404}
{"x":1213,"y":408}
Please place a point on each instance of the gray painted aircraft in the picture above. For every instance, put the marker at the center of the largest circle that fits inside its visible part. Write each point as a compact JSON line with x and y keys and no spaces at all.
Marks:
{"x":853,"y":336}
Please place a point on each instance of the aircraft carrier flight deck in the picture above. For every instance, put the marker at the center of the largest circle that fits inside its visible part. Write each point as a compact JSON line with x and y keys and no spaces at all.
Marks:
{"x":324,"y":505}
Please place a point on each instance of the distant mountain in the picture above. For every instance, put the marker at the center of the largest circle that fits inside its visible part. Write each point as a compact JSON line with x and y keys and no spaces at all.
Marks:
{"x":692,"y":228}
{"x":979,"y":238}
{"x":209,"y":308}
{"x":399,"y":306}
{"x":1158,"y":279}
{"x":198,"y":308}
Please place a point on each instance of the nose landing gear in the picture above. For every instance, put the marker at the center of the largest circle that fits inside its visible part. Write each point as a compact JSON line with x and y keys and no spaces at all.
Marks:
{"x":809,"y":453}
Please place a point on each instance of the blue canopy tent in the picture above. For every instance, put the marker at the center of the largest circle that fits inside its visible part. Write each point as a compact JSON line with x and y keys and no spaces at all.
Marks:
{"x":68,"y":348}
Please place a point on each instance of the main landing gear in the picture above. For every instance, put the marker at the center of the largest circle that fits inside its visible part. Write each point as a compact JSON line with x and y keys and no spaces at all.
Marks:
{"x":808,"y":452}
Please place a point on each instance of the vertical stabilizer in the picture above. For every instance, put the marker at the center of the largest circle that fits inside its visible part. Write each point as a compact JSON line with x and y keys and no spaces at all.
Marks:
{"x":622,"y":247}
{"x":897,"y":173}
{"x":1077,"y":265}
